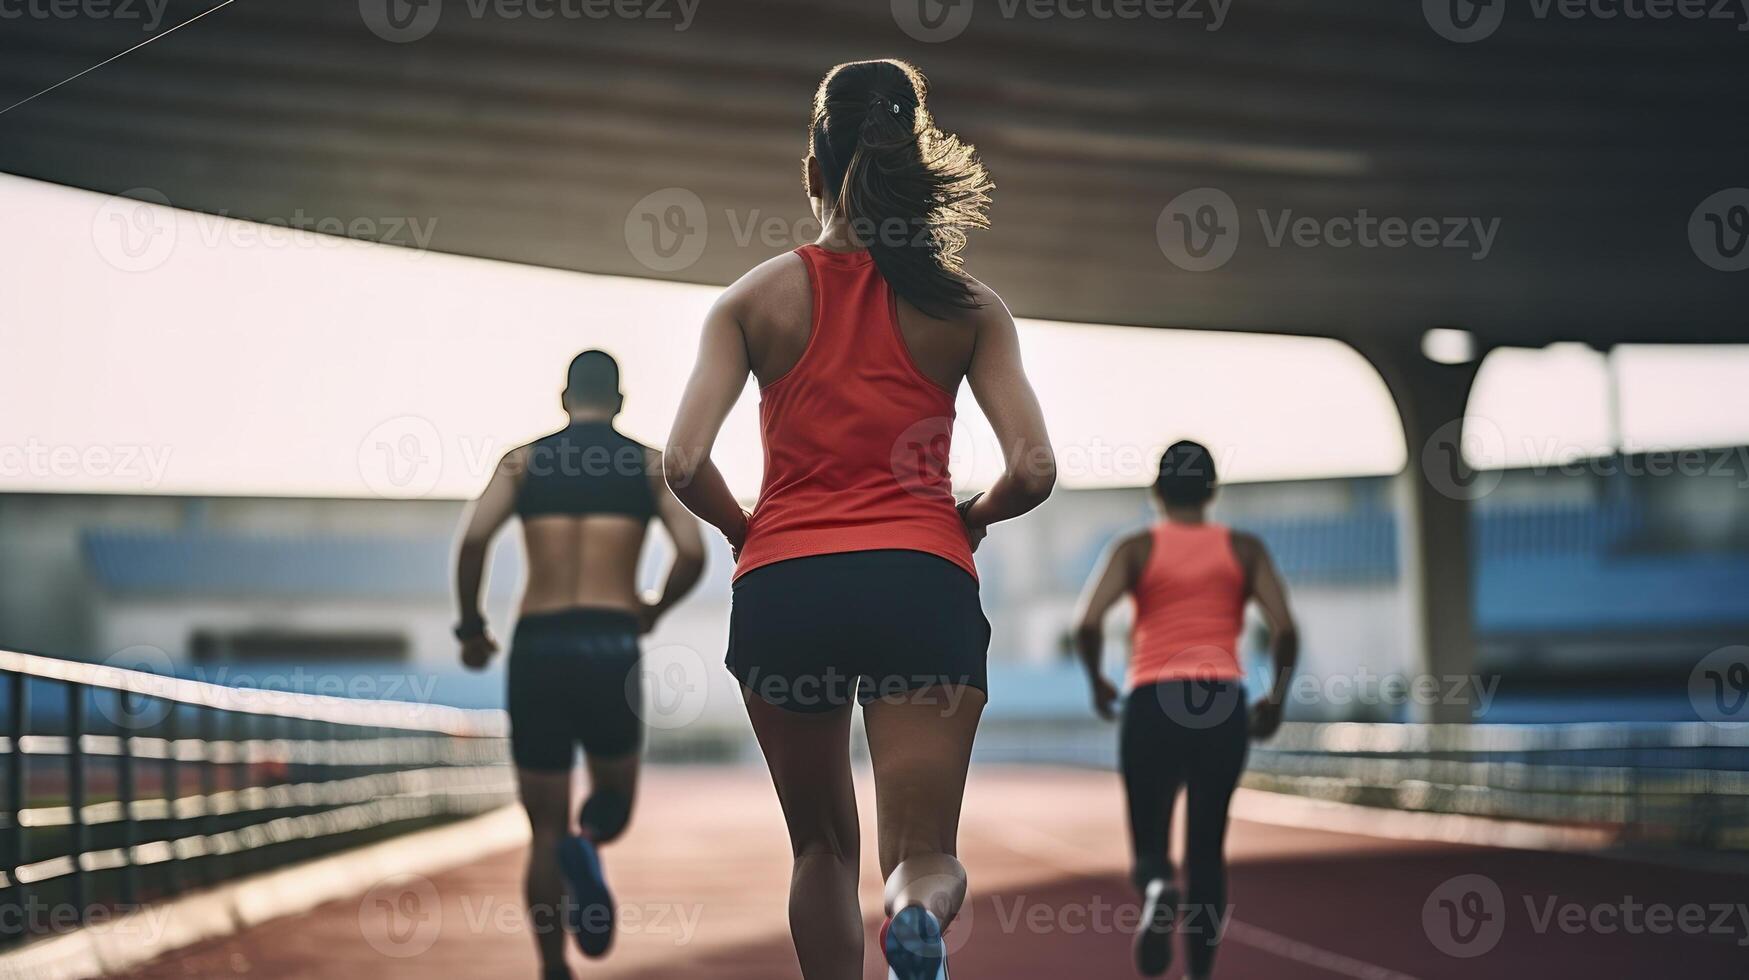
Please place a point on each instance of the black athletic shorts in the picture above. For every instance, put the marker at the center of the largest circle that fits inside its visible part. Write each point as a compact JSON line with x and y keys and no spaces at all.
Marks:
{"x":574,"y":680}
{"x":812,"y":634}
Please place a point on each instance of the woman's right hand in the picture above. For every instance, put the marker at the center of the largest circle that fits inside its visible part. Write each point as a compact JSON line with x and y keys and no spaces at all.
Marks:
{"x":478,"y":650}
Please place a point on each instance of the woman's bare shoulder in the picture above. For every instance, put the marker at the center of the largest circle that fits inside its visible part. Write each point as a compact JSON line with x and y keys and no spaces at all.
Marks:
{"x":990,"y":312}
{"x":778,"y":282}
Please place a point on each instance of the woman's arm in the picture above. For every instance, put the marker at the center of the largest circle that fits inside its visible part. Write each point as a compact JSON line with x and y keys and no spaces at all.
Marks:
{"x":495,"y":506}
{"x":1284,"y":633}
{"x":998,"y":381}
{"x":1114,"y":578}
{"x":717,"y":380}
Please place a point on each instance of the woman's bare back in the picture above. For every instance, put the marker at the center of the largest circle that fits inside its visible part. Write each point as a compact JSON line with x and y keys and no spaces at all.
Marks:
{"x":775,"y":308}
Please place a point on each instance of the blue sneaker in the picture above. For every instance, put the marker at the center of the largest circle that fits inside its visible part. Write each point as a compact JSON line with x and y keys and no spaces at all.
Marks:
{"x":590,"y":913}
{"x":913,"y":946}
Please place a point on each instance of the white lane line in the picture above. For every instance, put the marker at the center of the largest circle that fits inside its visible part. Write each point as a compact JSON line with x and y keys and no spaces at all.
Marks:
{"x":1292,"y":949}
{"x":1061,"y":854}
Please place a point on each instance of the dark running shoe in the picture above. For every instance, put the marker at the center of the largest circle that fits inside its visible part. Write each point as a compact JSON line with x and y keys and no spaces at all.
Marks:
{"x":1154,"y":940}
{"x":589,"y":915}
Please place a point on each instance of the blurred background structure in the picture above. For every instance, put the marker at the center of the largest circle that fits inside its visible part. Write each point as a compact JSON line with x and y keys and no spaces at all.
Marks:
{"x":1455,"y":291}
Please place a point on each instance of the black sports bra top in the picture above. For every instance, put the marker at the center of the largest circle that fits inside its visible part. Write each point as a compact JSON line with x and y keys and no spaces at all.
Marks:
{"x":586,"y":468}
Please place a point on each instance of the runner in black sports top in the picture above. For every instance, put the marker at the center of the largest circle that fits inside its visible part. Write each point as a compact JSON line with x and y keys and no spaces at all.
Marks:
{"x":586,"y":495}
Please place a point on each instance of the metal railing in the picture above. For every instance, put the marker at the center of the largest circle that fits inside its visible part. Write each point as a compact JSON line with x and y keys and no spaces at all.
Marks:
{"x":124,"y":786}
{"x":1656,"y":783}
{"x":1676,"y":783}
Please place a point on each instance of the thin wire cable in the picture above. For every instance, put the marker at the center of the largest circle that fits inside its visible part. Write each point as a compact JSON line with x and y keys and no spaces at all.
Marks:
{"x":124,"y":54}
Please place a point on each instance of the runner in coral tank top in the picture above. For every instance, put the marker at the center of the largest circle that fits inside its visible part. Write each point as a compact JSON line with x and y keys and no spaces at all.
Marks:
{"x":1185,"y":722}
{"x":855,"y":580}
{"x":856,"y":436}
{"x":1190,"y":607}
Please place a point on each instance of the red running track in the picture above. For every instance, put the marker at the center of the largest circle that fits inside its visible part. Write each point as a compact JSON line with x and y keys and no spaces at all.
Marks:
{"x":702,"y":876}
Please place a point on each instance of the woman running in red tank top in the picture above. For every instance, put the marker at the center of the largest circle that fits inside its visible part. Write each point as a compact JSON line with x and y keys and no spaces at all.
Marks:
{"x":1185,"y":722}
{"x":854,"y":579}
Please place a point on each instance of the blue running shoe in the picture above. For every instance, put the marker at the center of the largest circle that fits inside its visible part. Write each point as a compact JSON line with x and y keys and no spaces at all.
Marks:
{"x":913,"y":946}
{"x":590,"y":914}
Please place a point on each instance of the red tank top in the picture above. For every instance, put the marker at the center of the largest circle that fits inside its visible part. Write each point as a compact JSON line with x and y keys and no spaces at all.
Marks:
{"x":856,"y":437}
{"x":1190,"y":607}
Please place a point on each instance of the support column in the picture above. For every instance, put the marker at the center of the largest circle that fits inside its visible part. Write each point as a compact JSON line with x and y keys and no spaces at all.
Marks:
{"x":1433,"y":496}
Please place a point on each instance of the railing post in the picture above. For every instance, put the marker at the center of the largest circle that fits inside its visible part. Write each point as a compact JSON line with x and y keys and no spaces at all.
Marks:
{"x":207,"y":729}
{"x":130,"y":880}
{"x":239,"y":733}
{"x":171,"y":779}
{"x":287,"y":732}
{"x":76,"y":796}
{"x":18,"y":894}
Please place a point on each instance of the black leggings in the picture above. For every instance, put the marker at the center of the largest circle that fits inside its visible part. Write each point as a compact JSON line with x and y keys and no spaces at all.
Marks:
{"x":1195,"y":734}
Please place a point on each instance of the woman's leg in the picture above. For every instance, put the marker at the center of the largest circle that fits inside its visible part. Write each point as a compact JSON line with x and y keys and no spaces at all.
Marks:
{"x":613,"y":787}
{"x":1214,"y":774}
{"x":921,"y":746}
{"x":1151,"y":753}
{"x":546,"y":796}
{"x":608,"y":695}
{"x":1153,"y":771}
{"x":809,"y":757}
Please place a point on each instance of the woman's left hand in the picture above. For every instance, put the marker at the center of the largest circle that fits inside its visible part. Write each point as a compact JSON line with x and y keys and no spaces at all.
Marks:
{"x":975,"y":533}
{"x":1265,"y":719}
{"x":738,"y":536}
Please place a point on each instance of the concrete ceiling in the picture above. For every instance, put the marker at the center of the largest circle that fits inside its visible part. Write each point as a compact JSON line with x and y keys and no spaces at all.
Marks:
{"x":1585,"y":144}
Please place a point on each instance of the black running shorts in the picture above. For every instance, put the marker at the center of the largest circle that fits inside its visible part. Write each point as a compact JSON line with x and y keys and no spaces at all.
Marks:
{"x":812,"y":634}
{"x":574,"y":681}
